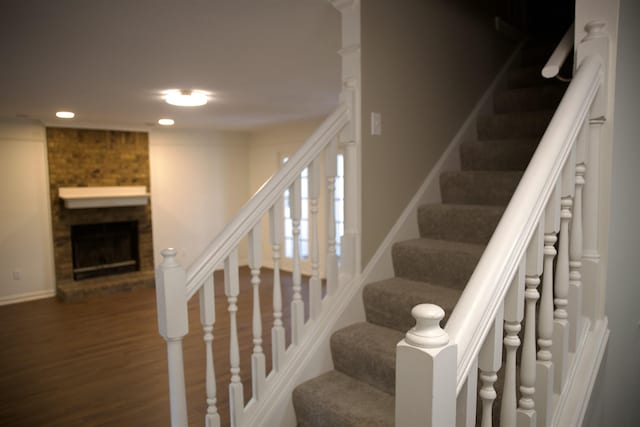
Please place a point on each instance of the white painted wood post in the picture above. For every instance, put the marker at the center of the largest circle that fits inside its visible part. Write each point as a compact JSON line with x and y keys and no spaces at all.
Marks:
{"x":526,"y":404}
{"x":513,"y":315}
{"x":232,"y":289}
{"x":297,"y":305}
{"x":277,"y":330}
{"x":561,"y":326}
{"x":544,"y":364}
{"x":173,"y":324}
{"x":258,"y":369}
{"x":315,"y":286}
{"x":596,"y":42}
{"x":350,"y":137}
{"x":331,"y":153}
{"x":467,"y":399}
{"x":574,"y":309}
{"x":489,"y":362}
{"x":426,"y":372}
{"x":208,"y":319}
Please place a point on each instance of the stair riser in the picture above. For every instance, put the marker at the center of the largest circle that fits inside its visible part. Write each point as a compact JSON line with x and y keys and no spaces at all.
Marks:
{"x":460,"y":225}
{"x":465,"y":188}
{"x":513,"y":126}
{"x":442,"y":267}
{"x":496,"y":155}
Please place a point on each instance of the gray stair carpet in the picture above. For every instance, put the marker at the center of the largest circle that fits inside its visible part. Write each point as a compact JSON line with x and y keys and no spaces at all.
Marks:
{"x":435,"y":267}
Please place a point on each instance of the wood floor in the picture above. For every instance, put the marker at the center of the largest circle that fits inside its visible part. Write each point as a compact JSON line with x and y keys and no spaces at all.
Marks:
{"x":101,"y":362}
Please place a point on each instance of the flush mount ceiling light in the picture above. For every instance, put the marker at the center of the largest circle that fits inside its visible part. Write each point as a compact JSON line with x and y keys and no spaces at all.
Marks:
{"x":166,"y":122}
{"x":65,"y":115}
{"x":186,"y":98}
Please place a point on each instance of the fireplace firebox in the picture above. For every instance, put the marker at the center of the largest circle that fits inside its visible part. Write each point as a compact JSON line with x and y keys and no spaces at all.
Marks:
{"x":104,"y":249}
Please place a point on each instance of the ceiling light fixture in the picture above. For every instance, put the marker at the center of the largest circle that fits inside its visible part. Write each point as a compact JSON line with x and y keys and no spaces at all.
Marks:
{"x":186,"y":98}
{"x":166,"y":122}
{"x":65,"y":115}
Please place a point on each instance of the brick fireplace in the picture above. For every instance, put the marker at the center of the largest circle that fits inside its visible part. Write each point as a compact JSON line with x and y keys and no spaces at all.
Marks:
{"x":98,"y":158}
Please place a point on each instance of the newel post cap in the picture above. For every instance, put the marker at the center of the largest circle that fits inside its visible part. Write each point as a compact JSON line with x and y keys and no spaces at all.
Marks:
{"x":427,"y":333}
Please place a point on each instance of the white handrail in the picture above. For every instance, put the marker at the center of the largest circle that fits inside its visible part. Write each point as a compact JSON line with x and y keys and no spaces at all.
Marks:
{"x":559,"y":55}
{"x":474,"y":313}
{"x":263,"y":199}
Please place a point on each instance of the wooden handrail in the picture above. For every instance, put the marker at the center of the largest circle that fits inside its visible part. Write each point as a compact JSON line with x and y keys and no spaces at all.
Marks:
{"x":559,"y":55}
{"x":473,"y":315}
{"x":252,"y":212}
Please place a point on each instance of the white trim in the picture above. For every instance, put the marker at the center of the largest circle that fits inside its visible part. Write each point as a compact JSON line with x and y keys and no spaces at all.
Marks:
{"x":27,"y":296}
{"x":573,"y":404}
{"x":103,"y":197}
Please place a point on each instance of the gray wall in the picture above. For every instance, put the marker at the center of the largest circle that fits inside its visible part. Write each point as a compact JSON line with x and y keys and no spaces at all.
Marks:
{"x":425,"y":63}
{"x":616,"y":398}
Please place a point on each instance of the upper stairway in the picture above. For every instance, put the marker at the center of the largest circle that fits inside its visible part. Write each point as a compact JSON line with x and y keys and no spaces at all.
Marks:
{"x":435,"y":267}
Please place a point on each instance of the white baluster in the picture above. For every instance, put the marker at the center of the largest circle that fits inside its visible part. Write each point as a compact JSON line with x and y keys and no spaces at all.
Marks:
{"x":277,"y":331}
{"x":489,"y":362}
{"x":231,"y":290}
{"x":173,"y":324}
{"x":544,"y":364}
{"x":331,"y":153}
{"x":208,"y":318}
{"x":426,"y":372}
{"x":257,"y":358}
{"x":513,"y":314}
{"x":297,"y":305}
{"x":467,"y":399}
{"x":561,"y":326}
{"x":315,"y":287}
{"x":575,"y":262}
{"x":526,"y":404}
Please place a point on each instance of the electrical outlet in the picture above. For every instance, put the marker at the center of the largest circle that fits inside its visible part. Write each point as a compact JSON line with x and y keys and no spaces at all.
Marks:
{"x":376,"y":124}
{"x":17,"y":275}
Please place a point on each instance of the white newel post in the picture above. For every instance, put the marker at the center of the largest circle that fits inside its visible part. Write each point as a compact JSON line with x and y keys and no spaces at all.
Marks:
{"x":173,"y":324}
{"x":426,"y":372}
{"x":596,"y":42}
{"x":350,"y":137}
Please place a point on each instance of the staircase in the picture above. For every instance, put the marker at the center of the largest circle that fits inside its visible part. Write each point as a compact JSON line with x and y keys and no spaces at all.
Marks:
{"x":435,"y":267}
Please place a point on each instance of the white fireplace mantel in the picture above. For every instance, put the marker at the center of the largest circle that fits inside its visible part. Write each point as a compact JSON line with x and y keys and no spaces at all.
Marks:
{"x":103,"y":197}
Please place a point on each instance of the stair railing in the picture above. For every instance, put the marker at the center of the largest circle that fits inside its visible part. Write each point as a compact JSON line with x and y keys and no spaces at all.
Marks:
{"x":437,"y":369}
{"x":559,"y":55}
{"x":175,"y":286}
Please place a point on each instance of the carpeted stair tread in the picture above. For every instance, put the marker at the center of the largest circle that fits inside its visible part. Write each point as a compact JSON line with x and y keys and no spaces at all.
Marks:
{"x":530,"y":124}
{"x":436,"y":261}
{"x":337,"y":400}
{"x":367,"y":352}
{"x":497,"y":155}
{"x":478,"y":187}
{"x":459,"y":223}
{"x":389,"y":302}
{"x":528,"y":99}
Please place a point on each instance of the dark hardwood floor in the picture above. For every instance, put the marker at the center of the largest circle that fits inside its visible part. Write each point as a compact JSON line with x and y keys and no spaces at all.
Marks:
{"x":101,"y":362}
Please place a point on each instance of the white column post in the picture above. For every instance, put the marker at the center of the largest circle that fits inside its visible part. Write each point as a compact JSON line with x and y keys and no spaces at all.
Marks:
{"x":258,"y":368}
{"x":489,"y":362}
{"x":315,"y":287}
{"x":277,"y":330}
{"x":208,"y":318}
{"x":173,"y":324}
{"x":350,"y":137}
{"x":426,"y":372}
{"x":232,"y":290}
{"x":297,"y":305}
{"x":596,"y":42}
{"x":331,"y":153}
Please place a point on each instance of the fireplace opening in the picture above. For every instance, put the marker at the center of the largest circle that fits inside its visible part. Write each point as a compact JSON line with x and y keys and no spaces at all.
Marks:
{"x":104,"y":249}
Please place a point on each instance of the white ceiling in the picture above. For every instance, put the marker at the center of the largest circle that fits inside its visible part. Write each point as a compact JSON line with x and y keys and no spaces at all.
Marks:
{"x":266,"y":61}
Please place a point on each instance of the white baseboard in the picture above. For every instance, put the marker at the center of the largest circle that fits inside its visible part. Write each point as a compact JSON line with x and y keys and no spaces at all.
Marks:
{"x":27,"y":296}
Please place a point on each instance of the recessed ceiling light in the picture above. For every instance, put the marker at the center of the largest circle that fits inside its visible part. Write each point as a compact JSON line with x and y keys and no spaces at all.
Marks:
{"x":166,"y":122}
{"x":186,"y":98}
{"x":65,"y":115}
